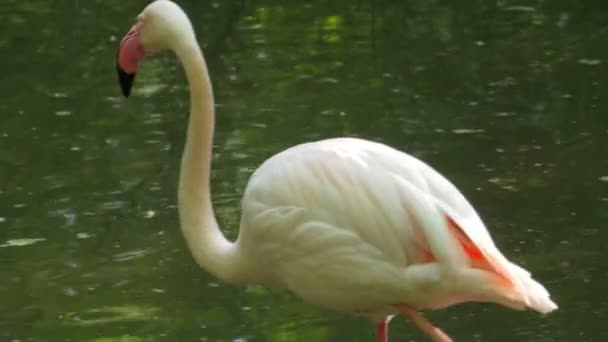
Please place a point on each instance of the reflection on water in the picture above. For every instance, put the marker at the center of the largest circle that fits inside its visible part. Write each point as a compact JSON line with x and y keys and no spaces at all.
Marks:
{"x":107,"y":315}
{"x":505,"y":98}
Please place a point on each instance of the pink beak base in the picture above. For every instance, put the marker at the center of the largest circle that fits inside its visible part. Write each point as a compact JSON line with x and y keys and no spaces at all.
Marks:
{"x":130,"y":53}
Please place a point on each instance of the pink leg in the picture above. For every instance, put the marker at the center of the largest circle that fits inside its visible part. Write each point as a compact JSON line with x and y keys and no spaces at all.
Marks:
{"x":424,"y":324}
{"x":382,"y":329}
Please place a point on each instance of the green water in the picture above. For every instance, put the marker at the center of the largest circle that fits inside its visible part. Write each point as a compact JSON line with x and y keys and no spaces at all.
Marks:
{"x":506,"y":98}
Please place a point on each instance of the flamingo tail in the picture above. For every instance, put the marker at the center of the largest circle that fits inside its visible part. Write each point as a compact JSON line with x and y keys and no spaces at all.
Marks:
{"x":518,"y":284}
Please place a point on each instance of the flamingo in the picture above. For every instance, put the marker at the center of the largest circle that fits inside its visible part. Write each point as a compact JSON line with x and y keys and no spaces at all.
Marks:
{"x":344,"y":223}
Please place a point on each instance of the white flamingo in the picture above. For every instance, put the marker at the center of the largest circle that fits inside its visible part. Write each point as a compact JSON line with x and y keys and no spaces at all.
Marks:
{"x":346,"y":224}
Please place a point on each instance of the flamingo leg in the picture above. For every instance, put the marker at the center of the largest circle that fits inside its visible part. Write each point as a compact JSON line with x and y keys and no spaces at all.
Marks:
{"x":382,"y":329}
{"x":436,"y":334}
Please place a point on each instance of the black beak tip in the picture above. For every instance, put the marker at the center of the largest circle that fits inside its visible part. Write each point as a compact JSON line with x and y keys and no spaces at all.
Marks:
{"x":126,"y":81}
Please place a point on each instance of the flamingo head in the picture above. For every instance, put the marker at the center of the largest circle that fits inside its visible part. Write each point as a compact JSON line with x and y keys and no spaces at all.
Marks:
{"x":162,"y":25}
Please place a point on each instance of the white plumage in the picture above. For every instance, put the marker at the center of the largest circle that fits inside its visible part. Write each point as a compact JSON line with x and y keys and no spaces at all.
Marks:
{"x":358,"y":215}
{"x":344,"y":223}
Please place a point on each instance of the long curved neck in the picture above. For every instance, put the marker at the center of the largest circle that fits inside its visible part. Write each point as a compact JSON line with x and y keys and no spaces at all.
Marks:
{"x":207,"y":244}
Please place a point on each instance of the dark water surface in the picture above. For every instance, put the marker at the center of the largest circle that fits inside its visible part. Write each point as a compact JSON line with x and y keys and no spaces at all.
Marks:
{"x":506,"y":98}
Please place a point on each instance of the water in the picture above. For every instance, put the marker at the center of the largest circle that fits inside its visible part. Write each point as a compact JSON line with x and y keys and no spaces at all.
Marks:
{"x":505,"y":98}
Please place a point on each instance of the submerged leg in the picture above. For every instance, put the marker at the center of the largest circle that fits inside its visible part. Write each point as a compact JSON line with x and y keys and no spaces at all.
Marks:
{"x":382,"y":329}
{"x":424,"y":324}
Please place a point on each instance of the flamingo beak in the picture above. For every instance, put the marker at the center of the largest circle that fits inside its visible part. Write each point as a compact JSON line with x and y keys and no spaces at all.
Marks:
{"x":130,"y":53}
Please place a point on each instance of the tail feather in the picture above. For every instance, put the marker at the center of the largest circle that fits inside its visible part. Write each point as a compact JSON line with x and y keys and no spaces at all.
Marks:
{"x":535,"y":295}
{"x":518,"y":287}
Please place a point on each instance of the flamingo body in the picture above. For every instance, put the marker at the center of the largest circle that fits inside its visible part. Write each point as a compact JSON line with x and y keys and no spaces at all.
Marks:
{"x":344,"y":223}
{"x":358,"y":226}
